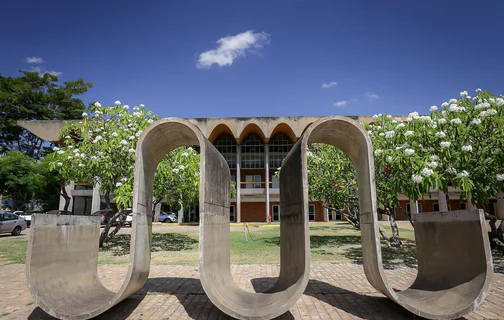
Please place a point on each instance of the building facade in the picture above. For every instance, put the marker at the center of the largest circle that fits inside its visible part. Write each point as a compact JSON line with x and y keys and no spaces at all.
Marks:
{"x":254,"y":149}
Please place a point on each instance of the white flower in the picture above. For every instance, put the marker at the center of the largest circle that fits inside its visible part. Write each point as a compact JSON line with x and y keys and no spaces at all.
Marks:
{"x":408,"y":133}
{"x":118,"y":184}
{"x":476,"y":121}
{"x":117,"y":102}
{"x":434,"y":158}
{"x":452,"y":101}
{"x":124,"y":179}
{"x":70,"y":147}
{"x":492,"y":112}
{"x":445,"y":144}
{"x":441,"y":121}
{"x":138,"y":134}
{"x":124,"y":142}
{"x":132,"y":150}
{"x":61,"y":151}
{"x":114,"y":134}
{"x":444,"y":104}
{"x":131,"y":137}
{"x":400,"y":125}
{"x":81,"y":165}
{"x":440,"y":134}
{"x":463,"y":93}
{"x":309,"y":154}
{"x":67,"y":137}
{"x":389,"y":159}
{"x":375,"y":116}
{"x":76,"y":151}
{"x":451,"y":170}
{"x":483,"y":114}
{"x":389,"y":116}
{"x":59,"y":164}
{"x":398,"y":148}
{"x":456,"y":121}
{"x":416,"y":178}
{"x":175,"y":170}
{"x":500,"y":177}
{"x":381,"y":134}
{"x":433,"y":108}
{"x":378,"y":152}
{"x":191,"y":149}
{"x":185,"y":154}
{"x":94,"y":157}
{"x":463,"y":174}
{"x":181,"y":167}
{"x":478,"y":90}
{"x":69,"y":157}
{"x":409,"y":152}
{"x":413,"y":115}
{"x":98,"y":112}
{"x":467,"y":148}
{"x":454,"y":108}
{"x":126,"y":107}
{"x":82,"y":155}
{"x":432,"y":164}
{"x":370,"y":132}
{"x":142,"y":105}
{"x":97,"y":104}
{"x":150,"y":121}
{"x":55,"y":148}
{"x":499,"y":102}
{"x":389,"y":134}
{"x":394,"y":121}
{"x":426,"y":172}
{"x":84,"y":114}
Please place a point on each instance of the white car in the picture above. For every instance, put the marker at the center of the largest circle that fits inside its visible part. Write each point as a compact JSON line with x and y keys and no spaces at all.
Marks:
{"x":129,"y":220}
{"x":26,"y":216}
{"x":11,"y":223}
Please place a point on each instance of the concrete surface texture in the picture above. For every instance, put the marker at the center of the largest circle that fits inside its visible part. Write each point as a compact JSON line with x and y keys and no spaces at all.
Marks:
{"x":454,"y":259}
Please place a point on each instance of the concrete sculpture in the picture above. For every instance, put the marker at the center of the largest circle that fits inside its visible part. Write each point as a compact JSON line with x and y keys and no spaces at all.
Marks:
{"x":455,"y":265}
{"x":454,"y":260}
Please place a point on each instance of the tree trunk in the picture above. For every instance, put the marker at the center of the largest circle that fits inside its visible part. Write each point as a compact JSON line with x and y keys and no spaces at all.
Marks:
{"x":64,"y":194}
{"x":120,"y":224}
{"x":104,"y":235}
{"x":395,"y":241}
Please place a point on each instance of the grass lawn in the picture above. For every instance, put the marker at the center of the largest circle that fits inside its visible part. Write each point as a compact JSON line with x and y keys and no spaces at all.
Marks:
{"x":335,"y":243}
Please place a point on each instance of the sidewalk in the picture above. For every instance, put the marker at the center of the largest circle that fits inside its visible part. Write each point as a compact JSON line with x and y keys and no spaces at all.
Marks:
{"x":335,"y":291}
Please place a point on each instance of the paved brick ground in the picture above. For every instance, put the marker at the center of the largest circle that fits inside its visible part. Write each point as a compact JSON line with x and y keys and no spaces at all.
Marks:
{"x":335,"y":291}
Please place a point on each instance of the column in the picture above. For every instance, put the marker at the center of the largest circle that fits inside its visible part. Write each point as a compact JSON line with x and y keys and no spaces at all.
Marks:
{"x":500,"y":206}
{"x":96,"y":200}
{"x":181,"y":213}
{"x":413,"y":208}
{"x":238,"y":183}
{"x":266,"y":166}
{"x":69,"y":188}
{"x":470,"y":205}
{"x":443,"y":204}
{"x":157,"y":210}
{"x":326,"y":215}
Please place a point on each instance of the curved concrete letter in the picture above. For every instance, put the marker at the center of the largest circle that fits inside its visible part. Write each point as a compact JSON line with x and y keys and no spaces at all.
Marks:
{"x":61,"y":265}
{"x":454,"y":259}
{"x":214,"y":244}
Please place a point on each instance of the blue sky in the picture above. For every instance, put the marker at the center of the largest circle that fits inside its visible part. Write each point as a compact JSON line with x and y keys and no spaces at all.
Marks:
{"x":385,"y":56}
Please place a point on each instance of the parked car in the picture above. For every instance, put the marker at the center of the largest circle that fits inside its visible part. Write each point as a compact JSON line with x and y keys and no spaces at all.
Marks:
{"x":60,"y":212}
{"x":11,"y":223}
{"x":27,"y":217}
{"x":129,"y":218}
{"x":167,"y":217}
{"x":106,"y":215}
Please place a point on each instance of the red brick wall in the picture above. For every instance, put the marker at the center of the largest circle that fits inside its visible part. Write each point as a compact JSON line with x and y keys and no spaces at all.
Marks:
{"x":253,"y":212}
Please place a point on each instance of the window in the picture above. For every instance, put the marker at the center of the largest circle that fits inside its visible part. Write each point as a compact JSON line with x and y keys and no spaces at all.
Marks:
{"x":435,"y":207}
{"x":463,"y":206}
{"x":408,"y":209}
{"x":253,"y":182}
{"x":226,"y":145}
{"x":275,"y":182}
{"x":252,"y":152}
{"x":233,"y":178}
{"x":276,"y":213}
{"x":279,"y":147}
{"x":232,"y":213}
{"x":311,"y":212}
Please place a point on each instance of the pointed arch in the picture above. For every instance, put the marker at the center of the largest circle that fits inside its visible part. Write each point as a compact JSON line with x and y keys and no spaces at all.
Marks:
{"x":219,"y":130}
{"x":285,"y":129}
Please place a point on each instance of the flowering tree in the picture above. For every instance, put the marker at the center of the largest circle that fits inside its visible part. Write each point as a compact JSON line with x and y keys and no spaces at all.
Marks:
{"x":101,"y":149}
{"x":458,"y":145}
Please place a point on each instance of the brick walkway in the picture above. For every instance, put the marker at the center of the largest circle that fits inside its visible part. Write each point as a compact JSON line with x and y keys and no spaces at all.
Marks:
{"x":335,"y":291}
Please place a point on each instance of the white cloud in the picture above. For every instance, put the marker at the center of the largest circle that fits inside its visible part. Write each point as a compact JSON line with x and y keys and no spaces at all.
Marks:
{"x":343,"y":103}
{"x":42,"y":71}
{"x":372,"y":96}
{"x":34,"y":60}
{"x":231,"y":48}
{"x":329,"y":84}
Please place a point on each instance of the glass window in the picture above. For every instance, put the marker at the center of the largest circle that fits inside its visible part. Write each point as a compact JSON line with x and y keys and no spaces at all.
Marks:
{"x":226,"y":145}
{"x":463,"y":206}
{"x":311,"y":212}
{"x":252,"y":152}
{"x":253,"y":181}
{"x":232,"y":213}
{"x":276,"y":213}
{"x":435,"y":207}
{"x":279,"y":147}
{"x":275,"y":182}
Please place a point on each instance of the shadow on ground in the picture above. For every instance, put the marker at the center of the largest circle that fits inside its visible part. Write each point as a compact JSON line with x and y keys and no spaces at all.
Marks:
{"x":119,"y":245}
